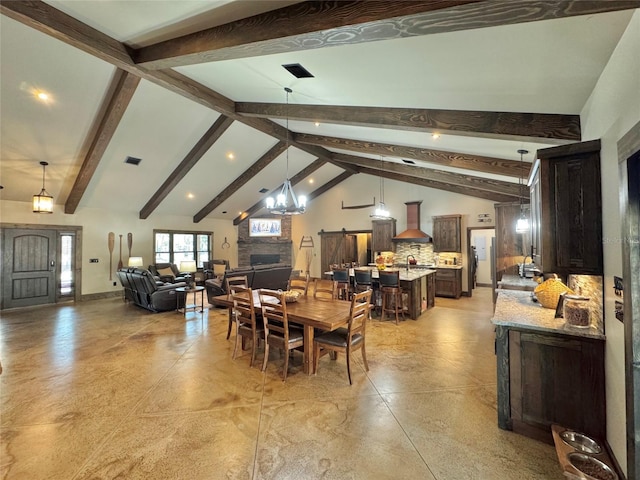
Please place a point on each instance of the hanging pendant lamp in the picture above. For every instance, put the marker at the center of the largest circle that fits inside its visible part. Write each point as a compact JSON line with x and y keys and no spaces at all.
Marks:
{"x":286,"y":202}
{"x":381,"y":212}
{"x":43,"y":202}
{"x":522,"y":225}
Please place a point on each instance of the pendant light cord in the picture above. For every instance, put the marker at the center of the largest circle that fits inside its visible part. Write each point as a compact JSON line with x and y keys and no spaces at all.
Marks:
{"x":288,"y":90}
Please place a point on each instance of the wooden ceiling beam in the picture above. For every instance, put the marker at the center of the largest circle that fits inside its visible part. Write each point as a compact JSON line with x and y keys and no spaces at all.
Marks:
{"x":210,"y":137}
{"x":496,"y":186}
{"x":297,"y":178}
{"x":236,"y":184}
{"x":320,"y":24}
{"x":550,"y":127}
{"x":121,"y":90}
{"x":477,"y":163}
{"x":424,"y":182}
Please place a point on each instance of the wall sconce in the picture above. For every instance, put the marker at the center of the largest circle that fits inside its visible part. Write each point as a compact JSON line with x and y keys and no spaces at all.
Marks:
{"x":43,"y":202}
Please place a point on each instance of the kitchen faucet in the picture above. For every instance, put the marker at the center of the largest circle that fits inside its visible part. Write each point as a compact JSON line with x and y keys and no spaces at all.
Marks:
{"x":408,"y":257}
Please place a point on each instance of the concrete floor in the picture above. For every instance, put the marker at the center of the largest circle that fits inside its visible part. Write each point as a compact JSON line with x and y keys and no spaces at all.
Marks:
{"x":105,"y":390}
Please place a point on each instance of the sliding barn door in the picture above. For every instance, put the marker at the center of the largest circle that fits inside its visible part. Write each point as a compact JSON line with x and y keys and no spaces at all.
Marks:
{"x":332,"y":245}
{"x":29,"y":267}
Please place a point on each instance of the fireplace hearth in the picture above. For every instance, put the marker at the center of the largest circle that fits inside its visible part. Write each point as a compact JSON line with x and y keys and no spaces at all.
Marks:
{"x":263,"y":258}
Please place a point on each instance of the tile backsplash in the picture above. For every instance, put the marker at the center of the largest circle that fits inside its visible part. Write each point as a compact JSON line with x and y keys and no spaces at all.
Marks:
{"x":590,"y":286}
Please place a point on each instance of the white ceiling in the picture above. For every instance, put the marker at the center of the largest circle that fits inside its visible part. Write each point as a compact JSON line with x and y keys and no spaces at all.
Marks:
{"x":540,"y":67}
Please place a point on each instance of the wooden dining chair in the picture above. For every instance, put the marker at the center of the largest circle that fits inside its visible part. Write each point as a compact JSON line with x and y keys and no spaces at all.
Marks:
{"x":244,"y":315}
{"x":300,"y":284}
{"x":240,"y":280}
{"x":277,"y":331}
{"x":324,"y":289}
{"x":346,"y":340}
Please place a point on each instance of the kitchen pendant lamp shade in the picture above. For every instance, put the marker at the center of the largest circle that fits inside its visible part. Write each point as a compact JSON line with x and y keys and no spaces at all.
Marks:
{"x":287,"y":202}
{"x":43,"y":202}
{"x":522,"y":225}
{"x":381,"y":212}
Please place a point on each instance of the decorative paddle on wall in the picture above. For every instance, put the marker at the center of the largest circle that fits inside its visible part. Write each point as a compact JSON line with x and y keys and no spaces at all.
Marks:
{"x":120,"y":261}
{"x":111,"y":240}
{"x":129,"y":242}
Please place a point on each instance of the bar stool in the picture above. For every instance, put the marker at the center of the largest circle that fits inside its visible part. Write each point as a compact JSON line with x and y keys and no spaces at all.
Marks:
{"x":363,"y":282}
{"x":343,"y":285}
{"x":391,"y":293}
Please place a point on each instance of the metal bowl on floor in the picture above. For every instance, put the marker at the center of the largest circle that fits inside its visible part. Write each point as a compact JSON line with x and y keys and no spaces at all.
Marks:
{"x":580,"y":442}
{"x":590,"y":467}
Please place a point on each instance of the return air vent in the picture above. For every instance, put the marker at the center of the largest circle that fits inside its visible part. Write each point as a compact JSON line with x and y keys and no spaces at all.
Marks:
{"x":132,"y":160}
{"x":263,"y":190}
{"x":298,"y":70}
{"x":410,"y":162}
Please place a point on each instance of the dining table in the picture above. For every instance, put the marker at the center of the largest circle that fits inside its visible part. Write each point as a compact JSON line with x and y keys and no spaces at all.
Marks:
{"x":322,"y":313}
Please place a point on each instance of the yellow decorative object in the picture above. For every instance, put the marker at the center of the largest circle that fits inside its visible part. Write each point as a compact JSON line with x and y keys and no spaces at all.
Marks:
{"x":381,"y":266}
{"x":291,"y":296}
{"x":548,"y":292}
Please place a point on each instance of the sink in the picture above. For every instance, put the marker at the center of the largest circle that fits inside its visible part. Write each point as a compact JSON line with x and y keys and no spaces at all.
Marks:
{"x":591,"y":467}
{"x":580,"y":442}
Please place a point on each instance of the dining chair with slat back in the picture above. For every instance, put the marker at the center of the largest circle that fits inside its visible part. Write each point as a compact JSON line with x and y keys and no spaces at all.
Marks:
{"x":342,"y":283}
{"x":247,"y":326}
{"x":347,"y":340}
{"x":277,"y":331}
{"x":240,"y":280}
{"x":299,"y":284}
{"x":391,"y":294}
{"x":324,"y":289}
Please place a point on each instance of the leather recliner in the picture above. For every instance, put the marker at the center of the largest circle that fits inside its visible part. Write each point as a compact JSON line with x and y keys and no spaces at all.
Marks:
{"x":141,"y":288}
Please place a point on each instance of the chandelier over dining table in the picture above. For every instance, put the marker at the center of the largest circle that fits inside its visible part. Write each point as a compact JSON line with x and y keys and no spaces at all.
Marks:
{"x":287,"y":202}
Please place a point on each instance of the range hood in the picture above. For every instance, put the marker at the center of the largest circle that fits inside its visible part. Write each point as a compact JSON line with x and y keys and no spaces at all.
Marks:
{"x":413,"y":232}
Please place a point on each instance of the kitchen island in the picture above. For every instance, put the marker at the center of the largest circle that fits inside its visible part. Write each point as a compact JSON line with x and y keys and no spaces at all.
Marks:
{"x":548,"y":372}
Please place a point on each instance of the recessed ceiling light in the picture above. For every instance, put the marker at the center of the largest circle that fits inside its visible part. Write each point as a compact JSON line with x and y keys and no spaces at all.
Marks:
{"x":190,"y":195}
{"x":435,"y":135}
{"x":43,"y":96}
{"x":311,"y":180}
{"x":230,"y":156}
{"x":317,"y":124}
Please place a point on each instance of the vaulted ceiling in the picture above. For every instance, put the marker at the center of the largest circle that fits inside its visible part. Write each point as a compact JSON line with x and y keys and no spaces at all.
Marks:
{"x":195,"y":89}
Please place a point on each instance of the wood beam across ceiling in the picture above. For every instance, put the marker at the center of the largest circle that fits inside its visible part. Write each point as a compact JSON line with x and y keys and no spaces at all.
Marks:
{"x":477,"y":163}
{"x":210,"y":137}
{"x":495,"y":186}
{"x":320,"y":24}
{"x":297,"y":178}
{"x":236,"y":184}
{"x":553,"y":128}
{"x":121,"y":90}
{"x":425,"y":182}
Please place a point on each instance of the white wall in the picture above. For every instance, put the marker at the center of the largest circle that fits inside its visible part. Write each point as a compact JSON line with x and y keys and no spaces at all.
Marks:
{"x":612,"y":109}
{"x":97,"y":223}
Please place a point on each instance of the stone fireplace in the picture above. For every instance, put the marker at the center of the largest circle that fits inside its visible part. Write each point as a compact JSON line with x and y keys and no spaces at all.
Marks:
{"x":261,"y":250}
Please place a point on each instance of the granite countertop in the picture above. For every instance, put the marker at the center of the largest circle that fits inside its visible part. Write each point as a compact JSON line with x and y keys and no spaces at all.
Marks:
{"x":516,"y":282}
{"x":514,"y":308}
{"x":407,"y":276}
{"x":450,"y":267}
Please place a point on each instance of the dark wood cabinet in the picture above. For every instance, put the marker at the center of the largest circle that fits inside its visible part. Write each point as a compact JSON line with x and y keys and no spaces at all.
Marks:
{"x":448,"y":282}
{"x":511,"y":248}
{"x":546,"y":378}
{"x":447,"y":233}
{"x":431,"y":290}
{"x":382,"y":233}
{"x":567,"y":189}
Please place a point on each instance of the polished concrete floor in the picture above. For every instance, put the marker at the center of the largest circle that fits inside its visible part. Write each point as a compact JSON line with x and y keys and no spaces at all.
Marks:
{"x":106,"y":390}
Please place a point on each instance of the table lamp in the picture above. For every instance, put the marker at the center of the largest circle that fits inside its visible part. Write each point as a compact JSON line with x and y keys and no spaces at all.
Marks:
{"x":189,"y":267}
{"x":135,"y":262}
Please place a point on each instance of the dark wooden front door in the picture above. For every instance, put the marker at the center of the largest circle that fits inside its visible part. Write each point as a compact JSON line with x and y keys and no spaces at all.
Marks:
{"x":29,"y":264}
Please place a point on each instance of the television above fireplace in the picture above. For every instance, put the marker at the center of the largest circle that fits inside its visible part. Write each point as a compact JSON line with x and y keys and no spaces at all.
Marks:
{"x":265,"y":227}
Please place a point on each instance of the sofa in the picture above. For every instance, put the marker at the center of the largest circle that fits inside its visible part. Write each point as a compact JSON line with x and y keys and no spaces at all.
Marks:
{"x":273,"y":276}
{"x":141,"y":288}
{"x":167,"y":272}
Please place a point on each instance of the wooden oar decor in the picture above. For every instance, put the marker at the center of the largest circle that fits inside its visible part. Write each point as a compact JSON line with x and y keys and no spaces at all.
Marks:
{"x":120,"y":261}
{"x":129,"y":242}
{"x":111,"y":240}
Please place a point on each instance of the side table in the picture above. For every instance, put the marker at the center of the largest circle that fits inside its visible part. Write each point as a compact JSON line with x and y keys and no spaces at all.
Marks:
{"x":193,"y":306}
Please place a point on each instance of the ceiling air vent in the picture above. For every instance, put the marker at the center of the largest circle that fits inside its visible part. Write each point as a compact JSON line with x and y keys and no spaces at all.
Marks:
{"x":132,"y":160}
{"x":263,"y":190}
{"x":298,"y":70}
{"x":410,"y":162}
